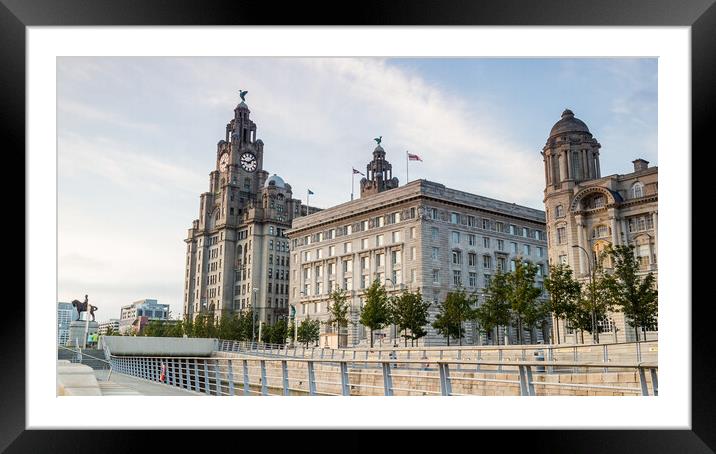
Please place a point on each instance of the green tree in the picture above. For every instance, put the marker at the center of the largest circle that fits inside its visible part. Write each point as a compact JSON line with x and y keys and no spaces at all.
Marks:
{"x":495,"y":308}
{"x":246,"y":326}
{"x":564,"y":292}
{"x":338,"y":311}
{"x":456,"y":309}
{"x":279,"y":332}
{"x":375,"y":314}
{"x":634,"y":295}
{"x":410,"y":312}
{"x":593,"y":303}
{"x":155,"y":328}
{"x":266,"y":333}
{"x":523,"y":295}
{"x":309,"y":331}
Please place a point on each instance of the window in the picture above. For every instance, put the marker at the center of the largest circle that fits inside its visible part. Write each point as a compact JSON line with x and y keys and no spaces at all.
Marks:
{"x":331,"y":251}
{"x":347,"y":283}
{"x":435,"y":253}
{"x":486,"y":242}
{"x":307,"y":256}
{"x":331,"y":269}
{"x":597,"y":202}
{"x":471,"y":259}
{"x":639,"y":223}
{"x":486,"y":224}
{"x":526,"y":249}
{"x":379,"y":259}
{"x":378,"y":240}
{"x":455,"y":237}
{"x":365,"y":281}
{"x":559,"y":211}
{"x":513,"y":265}
{"x":456,"y":257}
{"x":473,"y":279}
{"x":513,"y":247}
{"x":540,"y":251}
{"x":454,"y":218}
{"x":433,"y":233}
{"x":347,"y":266}
{"x":561,"y":235}
{"x":487,"y":280}
{"x":436,"y":276}
{"x":393,"y":218}
{"x":525,"y":232}
{"x":501,"y":263}
{"x":600,"y":231}
{"x":365,"y":263}
{"x":563,"y":259}
{"x":471,"y":221}
{"x":364,"y":243}
{"x":500,"y":227}
{"x":347,"y":247}
{"x":319,"y":254}
{"x":363,"y":226}
{"x":433,"y":213}
{"x":396,"y":237}
{"x":348,"y":229}
{"x":456,"y":278}
{"x":513,"y":229}
{"x":637,"y":190}
{"x":412,"y":232}
{"x":319,"y":271}
{"x":471,"y":239}
{"x":500,"y":245}
{"x":540,"y":269}
{"x":395,"y":257}
{"x":486,"y":262}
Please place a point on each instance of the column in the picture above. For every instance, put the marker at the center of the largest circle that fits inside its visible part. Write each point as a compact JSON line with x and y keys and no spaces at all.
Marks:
{"x":580,"y":242}
{"x":563,"y":175}
{"x":615,"y":235}
{"x":570,"y":174}
{"x":625,"y":230}
{"x":546,"y":170}
{"x":656,"y":230}
{"x":596,"y":163}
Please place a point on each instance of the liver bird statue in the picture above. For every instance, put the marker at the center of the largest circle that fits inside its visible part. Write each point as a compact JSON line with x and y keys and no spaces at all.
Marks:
{"x":378,"y":139}
{"x":243,"y":94}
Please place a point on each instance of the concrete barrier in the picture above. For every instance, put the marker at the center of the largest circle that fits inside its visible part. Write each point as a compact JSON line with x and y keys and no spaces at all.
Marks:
{"x":159,"y":346}
{"x":76,"y":380}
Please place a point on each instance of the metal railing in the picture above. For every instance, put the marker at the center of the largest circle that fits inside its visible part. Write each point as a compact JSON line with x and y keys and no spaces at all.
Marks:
{"x":242,"y":375}
{"x":80,"y":355}
{"x":606,"y":352}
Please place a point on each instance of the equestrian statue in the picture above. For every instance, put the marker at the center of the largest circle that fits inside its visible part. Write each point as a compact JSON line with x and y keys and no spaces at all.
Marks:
{"x":84,"y":307}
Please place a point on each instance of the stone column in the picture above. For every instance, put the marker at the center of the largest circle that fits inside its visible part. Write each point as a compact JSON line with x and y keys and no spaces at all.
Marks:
{"x":546,"y":170}
{"x":596,"y":163}
{"x":613,"y":219}
{"x":656,"y":230}
{"x":580,"y":242}
{"x":569,"y":175}
{"x":563,"y":175}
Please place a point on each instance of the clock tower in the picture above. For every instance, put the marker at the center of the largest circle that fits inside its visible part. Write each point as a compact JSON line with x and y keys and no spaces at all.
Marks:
{"x":237,"y":253}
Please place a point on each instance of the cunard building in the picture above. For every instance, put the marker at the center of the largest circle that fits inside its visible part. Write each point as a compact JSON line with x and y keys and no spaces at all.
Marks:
{"x":237,"y":253}
{"x":586,"y":212}
{"x":421,"y":235}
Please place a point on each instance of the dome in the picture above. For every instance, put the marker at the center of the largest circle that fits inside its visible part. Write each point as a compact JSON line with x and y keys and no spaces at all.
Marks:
{"x":276,"y":181}
{"x":379,"y":149}
{"x":568,"y":123}
{"x":242,"y":106}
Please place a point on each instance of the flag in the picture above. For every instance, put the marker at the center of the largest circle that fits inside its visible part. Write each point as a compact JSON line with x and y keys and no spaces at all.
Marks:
{"x":310,"y":192}
{"x":355,"y":171}
{"x":413,"y":157}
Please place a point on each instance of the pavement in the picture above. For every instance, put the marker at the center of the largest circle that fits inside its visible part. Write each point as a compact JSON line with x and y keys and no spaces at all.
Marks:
{"x":125,"y":385}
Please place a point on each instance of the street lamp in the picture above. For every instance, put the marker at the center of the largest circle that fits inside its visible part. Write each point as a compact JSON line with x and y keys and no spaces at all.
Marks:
{"x":395,"y":328}
{"x":595,"y":328}
{"x":253,"y":316}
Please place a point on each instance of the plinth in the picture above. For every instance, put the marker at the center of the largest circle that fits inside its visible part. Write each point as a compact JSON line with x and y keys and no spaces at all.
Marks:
{"x":77,"y":332}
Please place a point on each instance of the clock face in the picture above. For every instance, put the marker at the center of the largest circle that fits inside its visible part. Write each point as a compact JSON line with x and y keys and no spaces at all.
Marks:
{"x":223,"y":162}
{"x":248,"y":162}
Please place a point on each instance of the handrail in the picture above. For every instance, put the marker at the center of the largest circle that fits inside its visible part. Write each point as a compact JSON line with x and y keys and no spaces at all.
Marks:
{"x":85,"y":354}
{"x":229,"y":375}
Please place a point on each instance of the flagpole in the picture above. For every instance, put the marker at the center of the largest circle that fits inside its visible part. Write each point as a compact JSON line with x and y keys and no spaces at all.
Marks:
{"x":407,"y":177}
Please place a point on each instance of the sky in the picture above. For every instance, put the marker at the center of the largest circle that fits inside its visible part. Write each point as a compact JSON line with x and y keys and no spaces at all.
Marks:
{"x":137,"y":140}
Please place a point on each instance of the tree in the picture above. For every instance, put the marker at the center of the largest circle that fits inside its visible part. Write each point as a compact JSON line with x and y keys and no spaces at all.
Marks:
{"x":266,"y":335}
{"x":155,"y":328}
{"x":309,"y":331}
{"x":495,"y":309}
{"x":523,"y":294}
{"x":634,"y":295}
{"x":246,"y":326}
{"x":338,"y":311}
{"x":279,"y":332}
{"x":456,"y":309}
{"x":375,"y":314}
{"x":594,"y":302}
{"x":410,"y":312}
{"x":564,"y":292}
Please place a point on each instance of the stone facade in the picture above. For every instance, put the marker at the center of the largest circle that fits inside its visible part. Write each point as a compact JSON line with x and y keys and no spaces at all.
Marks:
{"x":422,"y":235}
{"x":237,"y":252}
{"x":590,"y":211}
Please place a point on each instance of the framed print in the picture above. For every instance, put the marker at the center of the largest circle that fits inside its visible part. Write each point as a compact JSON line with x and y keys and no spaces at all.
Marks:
{"x":508,"y":140}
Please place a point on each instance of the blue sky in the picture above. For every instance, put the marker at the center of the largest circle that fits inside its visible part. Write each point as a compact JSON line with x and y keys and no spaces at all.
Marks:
{"x":137,"y":138}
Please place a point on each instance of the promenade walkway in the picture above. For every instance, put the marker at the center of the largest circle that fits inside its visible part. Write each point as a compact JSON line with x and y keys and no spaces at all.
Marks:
{"x":125,"y":385}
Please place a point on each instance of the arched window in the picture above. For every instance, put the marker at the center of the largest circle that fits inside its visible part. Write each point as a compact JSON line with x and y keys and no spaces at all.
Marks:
{"x":597,"y":201}
{"x":637,"y":190}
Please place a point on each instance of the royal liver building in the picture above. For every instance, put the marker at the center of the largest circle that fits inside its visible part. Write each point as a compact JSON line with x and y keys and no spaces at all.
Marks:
{"x":237,"y":255}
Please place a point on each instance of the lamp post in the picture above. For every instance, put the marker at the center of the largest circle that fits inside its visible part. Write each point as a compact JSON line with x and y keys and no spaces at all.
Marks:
{"x":253,"y":316}
{"x":595,"y":328}
{"x":395,"y":328}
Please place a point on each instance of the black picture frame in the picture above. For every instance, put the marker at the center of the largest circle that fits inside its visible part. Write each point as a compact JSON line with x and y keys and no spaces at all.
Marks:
{"x":700,"y":15}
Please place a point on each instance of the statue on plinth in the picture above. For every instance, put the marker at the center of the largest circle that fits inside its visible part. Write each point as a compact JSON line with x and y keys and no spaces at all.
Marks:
{"x":84,"y":307}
